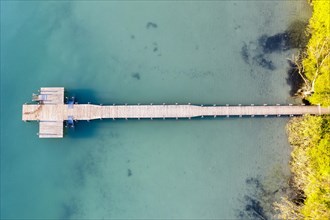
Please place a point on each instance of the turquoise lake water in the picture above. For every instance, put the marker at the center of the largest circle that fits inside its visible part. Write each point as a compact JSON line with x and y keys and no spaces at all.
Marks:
{"x":204,"y":52}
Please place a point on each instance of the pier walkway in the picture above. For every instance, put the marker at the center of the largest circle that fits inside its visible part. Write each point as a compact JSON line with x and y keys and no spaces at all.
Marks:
{"x":51,"y":111}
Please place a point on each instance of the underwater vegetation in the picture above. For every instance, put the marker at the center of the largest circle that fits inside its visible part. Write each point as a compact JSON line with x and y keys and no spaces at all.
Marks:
{"x":151,"y":25}
{"x":262,"y":193}
{"x":136,"y":76}
{"x":292,"y":38}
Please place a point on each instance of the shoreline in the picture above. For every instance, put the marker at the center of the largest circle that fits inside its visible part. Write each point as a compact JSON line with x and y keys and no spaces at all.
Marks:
{"x":309,"y":136}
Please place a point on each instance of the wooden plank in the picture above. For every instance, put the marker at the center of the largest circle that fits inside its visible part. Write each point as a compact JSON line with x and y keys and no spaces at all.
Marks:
{"x":61,"y":112}
{"x":55,"y":95}
{"x":50,"y":129}
{"x":43,"y":112}
{"x":51,"y":116}
{"x":51,"y":111}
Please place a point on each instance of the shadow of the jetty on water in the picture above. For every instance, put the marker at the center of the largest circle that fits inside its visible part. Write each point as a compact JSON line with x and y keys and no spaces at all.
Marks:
{"x":82,"y":129}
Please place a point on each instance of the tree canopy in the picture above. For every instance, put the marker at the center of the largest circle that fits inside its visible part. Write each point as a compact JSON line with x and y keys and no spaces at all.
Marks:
{"x":316,"y":62}
{"x":309,"y":136}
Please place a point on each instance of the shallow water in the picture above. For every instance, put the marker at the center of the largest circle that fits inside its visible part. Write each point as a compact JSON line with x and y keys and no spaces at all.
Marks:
{"x":141,"y":52}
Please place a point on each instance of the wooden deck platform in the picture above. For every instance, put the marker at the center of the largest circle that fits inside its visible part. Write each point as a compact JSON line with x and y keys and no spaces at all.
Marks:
{"x":61,"y":112}
{"x":52,"y":112}
{"x":49,"y":125}
{"x":50,"y":129}
{"x":52,"y":95}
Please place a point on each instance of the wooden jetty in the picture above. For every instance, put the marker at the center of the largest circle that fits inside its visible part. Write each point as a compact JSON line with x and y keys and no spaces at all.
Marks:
{"x":51,"y":112}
